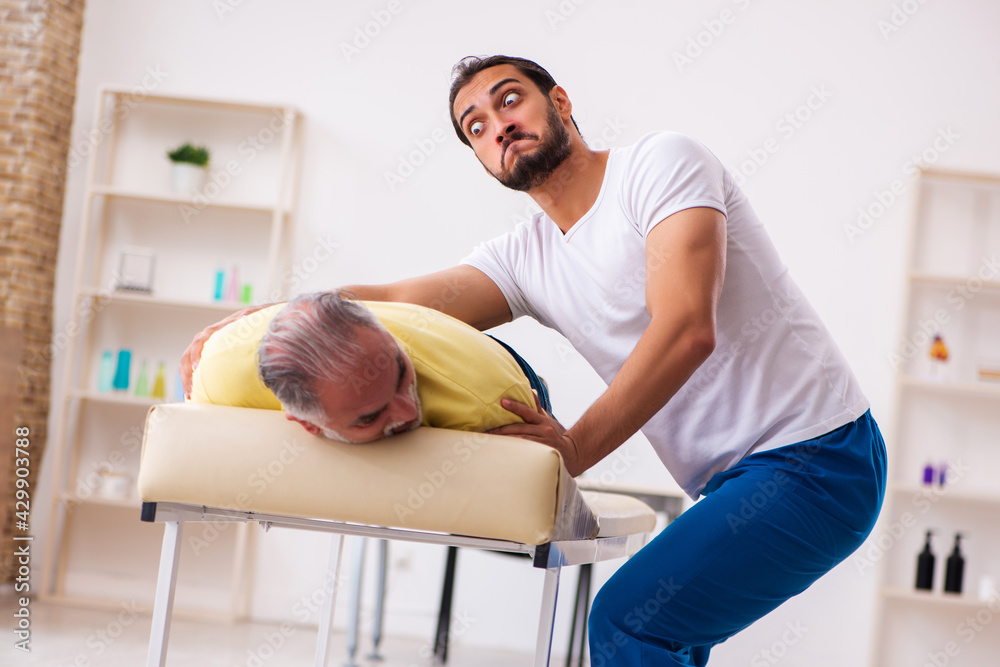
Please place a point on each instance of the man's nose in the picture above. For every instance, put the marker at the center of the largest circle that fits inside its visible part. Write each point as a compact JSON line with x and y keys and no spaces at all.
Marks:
{"x":404,"y":407}
{"x":505,"y":132}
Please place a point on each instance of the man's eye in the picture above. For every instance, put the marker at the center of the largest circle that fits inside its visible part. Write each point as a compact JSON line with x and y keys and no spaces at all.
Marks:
{"x":476,"y":128}
{"x":510,"y":98}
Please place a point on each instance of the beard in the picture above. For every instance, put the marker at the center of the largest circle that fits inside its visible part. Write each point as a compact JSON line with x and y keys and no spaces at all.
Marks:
{"x":532,"y":168}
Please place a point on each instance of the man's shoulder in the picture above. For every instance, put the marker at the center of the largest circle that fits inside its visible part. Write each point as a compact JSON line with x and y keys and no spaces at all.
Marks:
{"x":664,"y":144}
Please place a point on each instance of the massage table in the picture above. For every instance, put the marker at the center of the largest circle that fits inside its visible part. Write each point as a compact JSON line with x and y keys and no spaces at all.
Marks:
{"x":201,"y":463}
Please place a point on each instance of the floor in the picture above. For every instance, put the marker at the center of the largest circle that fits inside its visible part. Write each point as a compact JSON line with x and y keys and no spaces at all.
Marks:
{"x":64,"y":636}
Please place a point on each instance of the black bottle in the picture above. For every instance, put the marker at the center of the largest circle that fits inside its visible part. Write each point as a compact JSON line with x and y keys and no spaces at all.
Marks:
{"x":925,"y":566}
{"x":955,"y":570}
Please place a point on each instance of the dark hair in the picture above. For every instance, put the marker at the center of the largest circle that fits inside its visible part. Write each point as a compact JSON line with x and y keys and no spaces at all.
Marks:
{"x":466,"y":69}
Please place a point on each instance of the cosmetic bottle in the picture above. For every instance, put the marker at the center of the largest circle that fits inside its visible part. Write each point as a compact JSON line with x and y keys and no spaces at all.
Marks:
{"x":925,"y":566}
{"x":106,"y":374}
{"x":220,"y":285}
{"x":929,"y":474}
{"x":122,"y":370}
{"x":178,"y":388}
{"x":955,"y":571}
{"x":942,"y":473}
{"x":142,"y":381}
{"x":160,"y":383}
{"x":233,"y":293}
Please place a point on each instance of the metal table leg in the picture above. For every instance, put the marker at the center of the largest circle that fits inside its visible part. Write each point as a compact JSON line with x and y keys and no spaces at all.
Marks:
{"x":444,"y":613}
{"x":383,"y":566}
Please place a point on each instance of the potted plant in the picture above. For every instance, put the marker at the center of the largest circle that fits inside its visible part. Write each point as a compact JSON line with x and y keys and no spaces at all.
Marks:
{"x":190,"y":164}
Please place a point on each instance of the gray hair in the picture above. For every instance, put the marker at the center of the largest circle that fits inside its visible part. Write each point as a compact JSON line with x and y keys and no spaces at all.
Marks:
{"x":313,"y":339}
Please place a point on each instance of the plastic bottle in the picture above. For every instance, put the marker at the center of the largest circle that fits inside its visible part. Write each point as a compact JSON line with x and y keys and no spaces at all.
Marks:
{"x":929,"y":474}
{"x":122,"y":371}
{"x":142,"y":381}
{"x":955,"y":571}
{"x":160,"y":383}
{"x":106,"y":374}
{"x":925,"y":566}
{"x":220,"y":285}
{"x":233,"y":293}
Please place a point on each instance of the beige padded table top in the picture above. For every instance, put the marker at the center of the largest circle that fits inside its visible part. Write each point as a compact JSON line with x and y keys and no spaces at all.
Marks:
{"x":430,"y":479}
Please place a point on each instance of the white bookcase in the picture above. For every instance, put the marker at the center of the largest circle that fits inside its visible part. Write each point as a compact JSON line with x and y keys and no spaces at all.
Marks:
{"x":101,"y":554}
{"x":944,"y":412}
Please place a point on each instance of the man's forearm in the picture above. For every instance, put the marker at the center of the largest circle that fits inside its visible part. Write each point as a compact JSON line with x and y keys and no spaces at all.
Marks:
{"x":662,"y":361}
{"x":369,"y":292}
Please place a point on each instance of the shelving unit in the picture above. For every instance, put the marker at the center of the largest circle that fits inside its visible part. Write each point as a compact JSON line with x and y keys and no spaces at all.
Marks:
{"x":944,"y":413}
{"x":101,"y":554}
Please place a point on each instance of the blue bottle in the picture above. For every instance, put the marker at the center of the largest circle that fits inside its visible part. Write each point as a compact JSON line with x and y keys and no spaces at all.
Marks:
{"x":123,"y":372}
{"x":106,"y":373}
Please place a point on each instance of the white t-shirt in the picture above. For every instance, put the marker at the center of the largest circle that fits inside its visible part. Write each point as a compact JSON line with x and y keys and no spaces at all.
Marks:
{"x":776,"y":376}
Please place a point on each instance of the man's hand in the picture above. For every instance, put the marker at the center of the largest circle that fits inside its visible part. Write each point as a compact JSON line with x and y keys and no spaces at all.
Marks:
{"x":191,"y":356}
{"x":541,"y":427}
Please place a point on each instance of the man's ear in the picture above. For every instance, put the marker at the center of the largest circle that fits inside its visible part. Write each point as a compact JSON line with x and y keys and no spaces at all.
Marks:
{"x":309,"y":426}
{"x":561,"y":102}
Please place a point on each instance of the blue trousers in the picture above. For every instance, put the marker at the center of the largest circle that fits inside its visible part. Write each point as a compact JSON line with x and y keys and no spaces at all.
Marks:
{"x":764,"y":531}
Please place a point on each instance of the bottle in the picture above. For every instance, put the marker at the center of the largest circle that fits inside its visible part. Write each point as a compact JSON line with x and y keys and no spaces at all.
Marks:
{"x":929,"y":474}
{"x":955,"y":570}
{"x":142,"y":381}
{"x":925,"y":566}
{"x":178,"y":388}
{"x":233,"y":292}
{"x":220,"y":285}
{"x":123,"y":370}
{"x":106,"y":375}
{"x":160,"y":383}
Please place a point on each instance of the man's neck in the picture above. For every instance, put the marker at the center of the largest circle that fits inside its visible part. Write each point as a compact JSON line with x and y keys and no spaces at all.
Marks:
{"x":573,"y":187}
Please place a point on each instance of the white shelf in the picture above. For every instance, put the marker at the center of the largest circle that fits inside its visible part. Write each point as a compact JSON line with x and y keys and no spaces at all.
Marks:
{"x":124,"y":503}
{"x":223,"y":307}
{"x":116,"y":398}
{"x":933,"y":280}
{"x":246,"y":224}
{"x":166,"y":198}
{"x":981,"y":389}
{"x":950,"y":281}
{"x":203,"y":102}
{"x":946,"y":493}
{"x":934,"y":598}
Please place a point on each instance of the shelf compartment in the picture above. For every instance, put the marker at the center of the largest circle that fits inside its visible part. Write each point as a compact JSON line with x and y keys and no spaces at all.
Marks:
{"x":218,"y":307}
{"x":167,"y":198}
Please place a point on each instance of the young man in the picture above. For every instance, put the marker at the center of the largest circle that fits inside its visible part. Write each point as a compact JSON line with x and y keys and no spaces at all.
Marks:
{"x":650,"y":260}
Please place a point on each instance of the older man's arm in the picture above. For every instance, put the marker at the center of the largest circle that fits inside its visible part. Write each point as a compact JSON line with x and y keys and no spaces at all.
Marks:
{"x":463,"y":292}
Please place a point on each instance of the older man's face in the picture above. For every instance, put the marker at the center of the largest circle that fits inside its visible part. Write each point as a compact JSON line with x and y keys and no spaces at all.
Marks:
{"x":379,"y":400}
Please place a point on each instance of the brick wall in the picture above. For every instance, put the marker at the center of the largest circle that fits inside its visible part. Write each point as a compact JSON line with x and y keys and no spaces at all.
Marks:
{"x":39,"y":48}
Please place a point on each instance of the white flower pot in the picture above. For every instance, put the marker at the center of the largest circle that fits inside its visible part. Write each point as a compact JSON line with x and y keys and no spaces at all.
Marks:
{"x":186,"y":178}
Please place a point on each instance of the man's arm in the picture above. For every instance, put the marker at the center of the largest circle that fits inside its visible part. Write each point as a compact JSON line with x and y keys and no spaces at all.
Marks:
{"x":463,"y":292}
{"x":685,"y":266}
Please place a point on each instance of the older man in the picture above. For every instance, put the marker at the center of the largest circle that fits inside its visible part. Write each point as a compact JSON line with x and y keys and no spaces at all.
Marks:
{"x":358,"y":372}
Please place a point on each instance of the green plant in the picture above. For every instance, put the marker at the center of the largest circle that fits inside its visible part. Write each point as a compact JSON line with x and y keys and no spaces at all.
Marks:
{"x":197,"y":155}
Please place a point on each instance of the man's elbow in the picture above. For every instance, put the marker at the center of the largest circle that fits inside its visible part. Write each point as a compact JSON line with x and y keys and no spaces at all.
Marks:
{"x":700,"y":341}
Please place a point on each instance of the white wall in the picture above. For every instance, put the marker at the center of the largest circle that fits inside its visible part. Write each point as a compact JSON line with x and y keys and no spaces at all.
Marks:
{"x":878,"y":97}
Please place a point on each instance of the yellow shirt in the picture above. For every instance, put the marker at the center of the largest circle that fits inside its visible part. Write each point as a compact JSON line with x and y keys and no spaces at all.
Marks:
{"x":461,"y":373}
